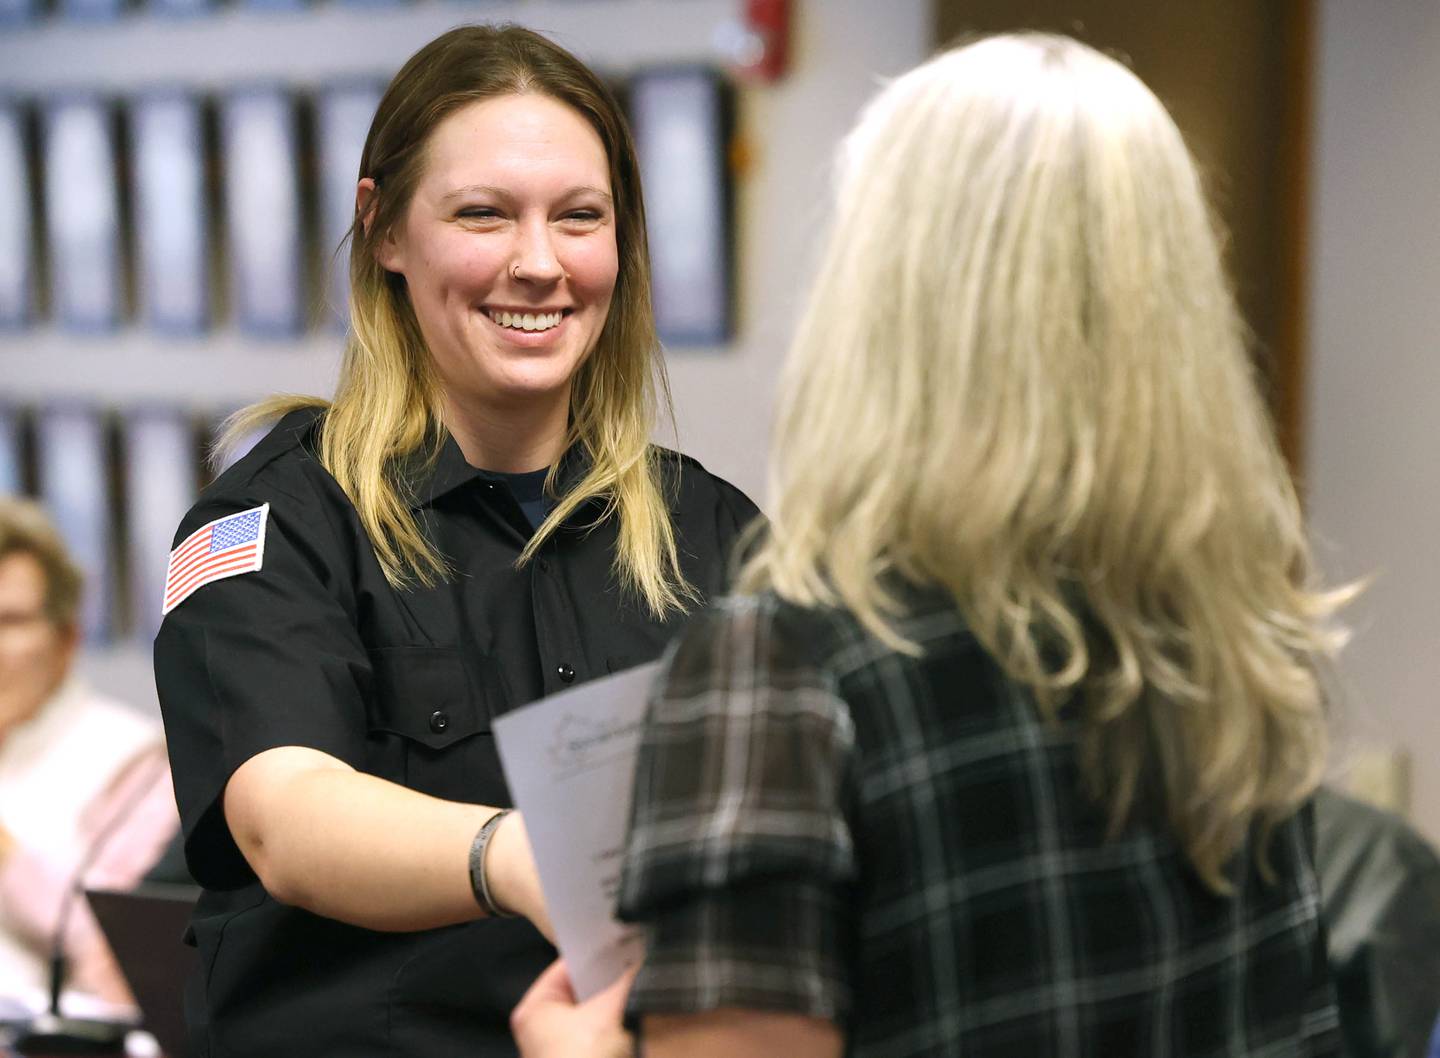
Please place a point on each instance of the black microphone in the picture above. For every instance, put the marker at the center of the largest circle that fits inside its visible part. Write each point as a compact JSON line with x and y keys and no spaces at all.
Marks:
{"x":51,"y":1033}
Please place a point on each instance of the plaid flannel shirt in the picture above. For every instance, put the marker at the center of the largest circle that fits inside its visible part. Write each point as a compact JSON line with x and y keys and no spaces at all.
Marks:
{"x":824,"y":826}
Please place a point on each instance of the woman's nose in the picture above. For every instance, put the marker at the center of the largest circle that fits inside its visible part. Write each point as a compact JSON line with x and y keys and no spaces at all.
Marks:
{"x":535,"y":258}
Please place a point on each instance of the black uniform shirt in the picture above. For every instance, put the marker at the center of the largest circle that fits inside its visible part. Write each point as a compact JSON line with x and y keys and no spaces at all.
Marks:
{"x":528,"y":490}
{"x":316,"y":649}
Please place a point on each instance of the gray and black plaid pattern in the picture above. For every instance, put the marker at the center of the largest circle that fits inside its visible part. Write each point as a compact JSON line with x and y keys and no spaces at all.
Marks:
{"x":900,"y":844}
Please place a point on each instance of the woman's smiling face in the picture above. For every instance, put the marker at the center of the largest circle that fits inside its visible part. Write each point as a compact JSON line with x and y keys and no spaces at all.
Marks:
{"x":508,"y":248}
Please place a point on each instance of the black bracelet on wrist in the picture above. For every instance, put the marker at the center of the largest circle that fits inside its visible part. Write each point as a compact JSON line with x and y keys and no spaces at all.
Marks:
{"x":479,"y":884}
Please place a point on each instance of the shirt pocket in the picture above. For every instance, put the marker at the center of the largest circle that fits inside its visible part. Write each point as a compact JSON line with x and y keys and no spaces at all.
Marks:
{"x":429,"y":722}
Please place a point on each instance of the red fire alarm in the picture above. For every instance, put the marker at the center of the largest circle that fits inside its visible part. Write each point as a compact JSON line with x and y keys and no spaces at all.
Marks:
{"x":758,"y":44}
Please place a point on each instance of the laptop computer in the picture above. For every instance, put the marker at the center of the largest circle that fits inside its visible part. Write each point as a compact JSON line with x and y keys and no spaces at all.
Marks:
{"x":144,"y":926}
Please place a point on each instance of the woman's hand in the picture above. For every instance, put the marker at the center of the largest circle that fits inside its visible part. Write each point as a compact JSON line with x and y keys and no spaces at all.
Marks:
{"x":512,"y":876}
{"x":549,"y":1023}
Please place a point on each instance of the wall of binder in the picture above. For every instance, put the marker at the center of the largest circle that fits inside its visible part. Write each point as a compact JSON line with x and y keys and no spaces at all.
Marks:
{"x":130,"y":242}
{"x":131,"y":225}
{"x":117,"y":483}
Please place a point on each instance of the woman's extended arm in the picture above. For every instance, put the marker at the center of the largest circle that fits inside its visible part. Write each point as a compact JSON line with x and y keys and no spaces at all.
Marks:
{"x":721,"y":1033}
{"x":327,"y":838}
{"x":549,"y":1023}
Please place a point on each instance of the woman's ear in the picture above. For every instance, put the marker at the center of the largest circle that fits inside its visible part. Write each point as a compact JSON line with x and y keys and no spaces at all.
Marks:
{"x":367,"y":205}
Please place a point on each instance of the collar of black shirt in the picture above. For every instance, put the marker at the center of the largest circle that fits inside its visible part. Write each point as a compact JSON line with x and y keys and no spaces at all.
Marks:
{"x":431,"y":478}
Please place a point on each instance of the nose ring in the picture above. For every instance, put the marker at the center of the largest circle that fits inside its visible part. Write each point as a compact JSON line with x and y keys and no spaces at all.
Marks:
{"x":514,"y":269}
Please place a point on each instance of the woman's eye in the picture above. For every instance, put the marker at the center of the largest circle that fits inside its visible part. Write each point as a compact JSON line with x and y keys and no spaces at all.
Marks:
{"x":584,"y":216}
{"x":479,"y":213}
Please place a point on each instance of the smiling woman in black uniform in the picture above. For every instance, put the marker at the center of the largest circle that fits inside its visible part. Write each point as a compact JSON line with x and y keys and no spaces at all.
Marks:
{"x":477,"y":519}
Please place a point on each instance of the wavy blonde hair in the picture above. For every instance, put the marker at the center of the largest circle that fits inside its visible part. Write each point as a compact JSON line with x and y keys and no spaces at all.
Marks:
{"x":1021,"y":374}
{"x":387,"y":403}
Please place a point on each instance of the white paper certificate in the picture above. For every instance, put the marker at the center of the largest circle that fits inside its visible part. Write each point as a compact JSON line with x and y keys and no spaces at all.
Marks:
{"x":570,"y":763}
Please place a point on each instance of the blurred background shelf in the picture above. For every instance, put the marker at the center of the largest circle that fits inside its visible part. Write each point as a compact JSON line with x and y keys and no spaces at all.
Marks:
{"x":135,"y":366}
{"x":228,"y":45}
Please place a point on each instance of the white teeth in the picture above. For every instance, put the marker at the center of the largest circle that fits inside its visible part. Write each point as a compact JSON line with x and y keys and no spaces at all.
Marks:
{"x":528,"y":321}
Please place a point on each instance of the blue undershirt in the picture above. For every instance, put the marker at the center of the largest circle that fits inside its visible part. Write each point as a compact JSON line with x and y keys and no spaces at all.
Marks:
{"x":529,"y":492}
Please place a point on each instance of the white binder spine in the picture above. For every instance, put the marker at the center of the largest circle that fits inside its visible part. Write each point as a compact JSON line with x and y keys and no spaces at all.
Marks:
{"x":160,"y":483}
{"x":82,"y":212}
{"x":75,"y":486}
{"x":344,"y":113}
{"x":12,"y":471}
{"x":262,"y":210}
{"x":16,"y":232}
{"x":171,"y":230}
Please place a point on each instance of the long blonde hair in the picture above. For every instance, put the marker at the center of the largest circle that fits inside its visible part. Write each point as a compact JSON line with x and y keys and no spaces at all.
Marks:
{"x":386,"y":406}
{"x":1021,"y":374}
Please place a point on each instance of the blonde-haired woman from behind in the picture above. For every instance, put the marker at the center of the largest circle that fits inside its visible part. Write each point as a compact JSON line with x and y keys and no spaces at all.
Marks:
{"x":1005,"y":745}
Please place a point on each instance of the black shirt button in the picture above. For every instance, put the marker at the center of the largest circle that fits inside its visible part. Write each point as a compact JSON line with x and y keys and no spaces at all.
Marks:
{"x":566,"y":673}
{"x":543,"y":565}
{"x":439,"y":721}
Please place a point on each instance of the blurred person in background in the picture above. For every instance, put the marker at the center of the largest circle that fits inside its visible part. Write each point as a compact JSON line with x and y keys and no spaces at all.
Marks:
{"x":477,"y":519}
{"x":81,"y":775}
{"x":1006,"y":744}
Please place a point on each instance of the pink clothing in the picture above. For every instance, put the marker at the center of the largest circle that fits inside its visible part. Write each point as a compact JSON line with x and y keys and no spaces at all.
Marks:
{"x":135,"y":797}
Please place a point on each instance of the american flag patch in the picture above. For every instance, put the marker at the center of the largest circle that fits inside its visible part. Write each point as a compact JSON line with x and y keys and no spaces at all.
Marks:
{"x":226,"y":547}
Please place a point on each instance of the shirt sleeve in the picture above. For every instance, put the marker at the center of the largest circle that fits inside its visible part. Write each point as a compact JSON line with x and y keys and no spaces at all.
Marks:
{"x":258,"y":661}
{"x":740,"y":859}
{"x":735,"y":512}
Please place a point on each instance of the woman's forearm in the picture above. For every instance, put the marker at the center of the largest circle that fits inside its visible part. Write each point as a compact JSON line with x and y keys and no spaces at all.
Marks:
{"x":365,"y":851}
{"x":721,"y":1033}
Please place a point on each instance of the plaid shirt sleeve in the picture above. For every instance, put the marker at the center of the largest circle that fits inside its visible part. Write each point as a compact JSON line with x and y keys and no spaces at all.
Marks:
{"x":740,"y":855}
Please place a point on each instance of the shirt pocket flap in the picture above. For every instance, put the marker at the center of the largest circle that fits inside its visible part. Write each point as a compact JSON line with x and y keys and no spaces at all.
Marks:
{"x":427,"y":695}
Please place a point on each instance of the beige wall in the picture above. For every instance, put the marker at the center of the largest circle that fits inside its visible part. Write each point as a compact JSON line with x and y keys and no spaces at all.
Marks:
{"x":1374,"y":441}
{"x":723,"y":400}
